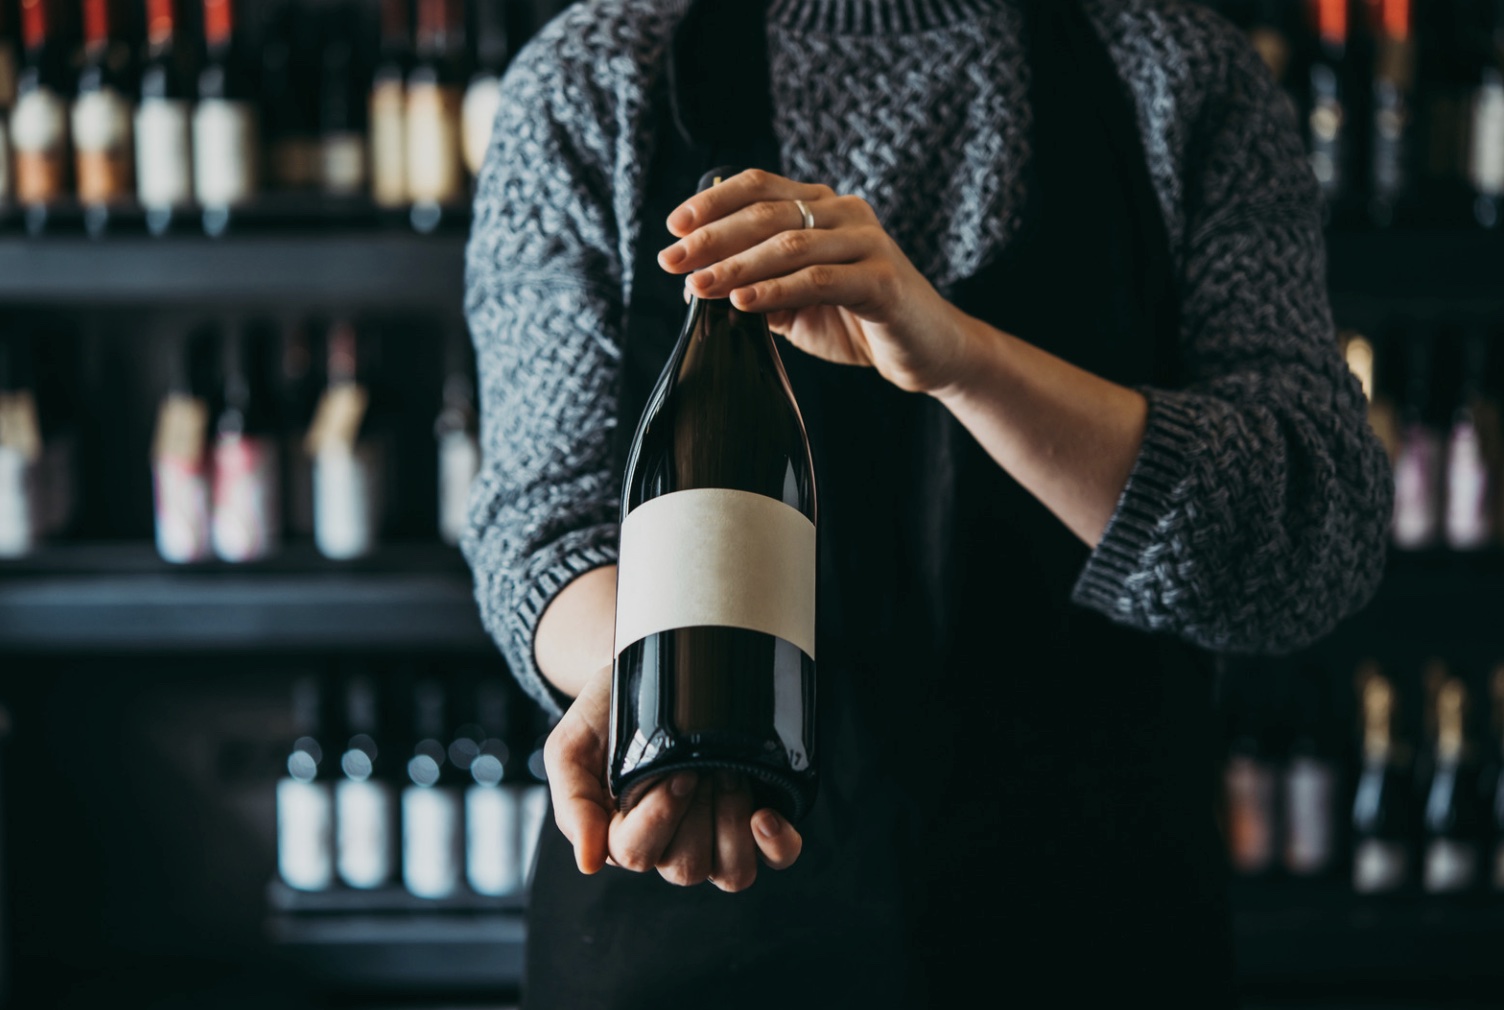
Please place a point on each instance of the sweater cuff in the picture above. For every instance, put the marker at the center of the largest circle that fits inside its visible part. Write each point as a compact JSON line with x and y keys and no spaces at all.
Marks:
{"x":1171,"y":440}
{"x":546,"y":575}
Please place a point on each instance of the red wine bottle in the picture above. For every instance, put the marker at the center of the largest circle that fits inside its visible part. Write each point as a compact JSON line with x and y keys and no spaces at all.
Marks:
{"x":164,"y":123}
{"x":1453,"y":820}
{"x":102,"y":119}
{"x":388,"y":108}
{"x":39,"y":121}
{"x":226,"y":147}
{"x":1392,"y":163}
{"x":435,"y":87}
{"x":1381,"y":804}
{"x":715,"y":615}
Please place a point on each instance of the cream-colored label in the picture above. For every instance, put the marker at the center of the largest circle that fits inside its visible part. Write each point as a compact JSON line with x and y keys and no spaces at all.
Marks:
{"x":224,"y":152}
{"x":1486,"y":161}
{"x":164,"y":153}
{"x":435,"y":173}
{"x":482,"y":100}
{"x":719,"y":558}
{"x":388,"y":144}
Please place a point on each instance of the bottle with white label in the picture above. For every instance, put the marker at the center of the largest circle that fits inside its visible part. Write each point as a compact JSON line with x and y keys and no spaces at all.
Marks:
{"x":488,"y":35}
{"x":493,"y":827}
{"x":1418,"y":459}
{"x":7,"y":101}
{"x":1485,"y":149}
{"x":1469,"y":518}
{"x":288,"y":88}
{"x":103,"y":119}
{"x":342,"y":108}
{"x":39,"y":120}
{"x":226,"y":148}
{"x":365,"y":796}
{"x":435,"y":92}
{"x":715,"y":613}
{"x":164,"y":123}
{"x":247,"y":506}
{"x":1382,"y":821}
{"x":305,"y":801}
{"x":459,"y":444}
{"x":1249,"y":792}
{"x":180,"y":465}
{"x":388,"y":108}
{"x":20,"y":452}
{"x":433,"y":833}
{"x":1310,"y":788}
{"x":1453,"y":821}
{"x":348,"y":463}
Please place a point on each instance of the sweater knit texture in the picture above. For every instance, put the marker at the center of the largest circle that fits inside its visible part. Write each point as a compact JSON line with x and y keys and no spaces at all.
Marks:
{"x":1255,"y":516}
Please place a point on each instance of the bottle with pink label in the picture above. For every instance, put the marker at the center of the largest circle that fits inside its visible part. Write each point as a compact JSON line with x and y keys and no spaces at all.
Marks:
{"x":247,"y":520}
{"x":1418,"y":459}
{"x":1469,"y":522}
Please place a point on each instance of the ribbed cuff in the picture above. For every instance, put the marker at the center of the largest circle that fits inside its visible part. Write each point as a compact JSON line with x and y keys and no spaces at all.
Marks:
{"x":1171,"y":440}
{"x":547,"y":573}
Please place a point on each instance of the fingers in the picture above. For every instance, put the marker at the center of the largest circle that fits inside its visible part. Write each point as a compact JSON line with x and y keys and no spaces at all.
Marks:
{"x":749,"y":187}
{"x":776,"y":839}
{"x":688,"y":858}
{"x":575,"y":756}
{"x":757,"y":223}
{"x":638,"y":838}
{"x":784,"y":254}
{"x":867,"y":288}
{"x":735,"y":851}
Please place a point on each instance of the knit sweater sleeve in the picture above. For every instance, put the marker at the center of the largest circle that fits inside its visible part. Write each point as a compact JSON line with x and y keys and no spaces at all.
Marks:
{"x":1255,"y":516}
{"x":543,"y":296}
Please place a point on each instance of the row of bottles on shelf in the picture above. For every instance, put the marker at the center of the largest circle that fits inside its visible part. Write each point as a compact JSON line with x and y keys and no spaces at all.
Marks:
{"x":245,"y":449}
{"x":1434,"y":401}
{"x":1311,"y":800}
{"x":143,"y":123}
{"x":434,"y":783}
{"x":1401,"y":102}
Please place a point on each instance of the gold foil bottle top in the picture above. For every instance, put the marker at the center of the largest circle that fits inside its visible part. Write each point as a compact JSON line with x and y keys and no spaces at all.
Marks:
{"x":1451,"y":700}
{"x":1378,"y":711}
{"x":1360,"y":360}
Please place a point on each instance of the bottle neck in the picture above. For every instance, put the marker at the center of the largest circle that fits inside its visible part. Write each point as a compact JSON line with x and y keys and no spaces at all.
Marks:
{"x":160,"y":24}
{"x":436,"y":34}
{"x":34,"y":24}
{"x":1396,"y":20}
{"x":96,"y":24}
{"x":394,"y":25}
{"x":1378,"y":706}
{"x":1331,"y":24}
{"x":219,"y":25}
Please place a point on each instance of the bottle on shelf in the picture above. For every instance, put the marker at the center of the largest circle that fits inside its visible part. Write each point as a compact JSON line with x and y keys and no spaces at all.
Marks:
{"x":1496,"y":693}
{"x":433,"y":837}
{"x":1363,"y":360}
{"x":1453,"y":824}
{"x":1418,"y":461}
{"x":305,"y":801}
{"x":7,"y":101}
{"x":1310,"y":784}
{"x":1445,"y":96}
{"x":289,"y":80}
{"x":1331,"y":115}
{"x":180,"y":464}
{"x":1381,"y":804}
{"x":39,"y":120}
{"x":488,"y":35}
{"x":226,"y":147}
{"x":1485,"y":160}
{"x":348,"y":465}
{"x":435,"y":166}
{"x":246,"y":522}
{"x":342,"y":108}
{"x":1393,"y":148}
{"x":164,"y":123}
{"x":1469,"y":477}
{"x":300,"y":390}
{"x":365,"y":798}
{"x":493,"y":808}
{"x":103,"y":114}
{"x":1249,"y":784}
{"x":20,"y":451}
{"x":459,"y":445}
{"x":533,"y":797}
{"x":719,"y":495}
{"x":388,"y":108}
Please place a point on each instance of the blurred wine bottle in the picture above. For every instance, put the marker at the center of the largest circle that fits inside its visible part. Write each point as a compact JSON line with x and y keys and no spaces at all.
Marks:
{"x":1249,"y":791}
{"x":305,"y":801}
{"x":288,"y":93}
{"x":20,"y":451}
{"x":1392,"y":152}
{"x":180,"y":460}
{"x":490,"y":51}
{"x":365,"y":796}
{"x":1485,"y":162}
{"x":1418,"y":462}
{"x":1496,"y":695}
{"x":1310,"y":781}
{"x":432,"y":805}
{"x":301,"y":388}
{"x":388,"y":112}
{"x":7,"y":101}
{"x":39,"y":120}
{"x":1453,"y":822}
{"x":164,"y":123}
{"x":459,"y":446}
{"x":226,"y":143}
{"x":342,"y":107}
{"x":435,"y":167}
{"x":247,"y":520}
{"x":1381,"y":804}
{"x":1469,"y":477}
{"x":493,"y":805}
{"x":348,"y":465}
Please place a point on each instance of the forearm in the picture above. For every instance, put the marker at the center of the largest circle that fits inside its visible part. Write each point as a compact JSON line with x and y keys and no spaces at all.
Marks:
{"x":1069,"y":437}
{"x":574,"y":637}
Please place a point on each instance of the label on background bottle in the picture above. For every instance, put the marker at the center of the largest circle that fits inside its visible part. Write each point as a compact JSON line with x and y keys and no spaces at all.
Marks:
{"x":459,"y":462}
{"x":17,"y":503}
{"x":1310,"y":797}
{"x":102,"y":146}
{"x":305,"y":834}
{"x":493,"y":840}
{"x":39,"y":144}
{"x":1467,"y":514}
{"x":482,"y":101}
{"x":366,"y":832}
{"x":1450,"y":866}
{"x":1378,"y":866}
{"x":389,"y":144}
{"x":342,"y":163}
{"x":164,"y":153}
{"x":225,"y":170}
{"x":245,"y":522}
{"x":181,"y":498}
{"x":716,"y":557}
{"x":534,"y":805}
{"x":434,"y":172}
{"x":1416,"y":488}
{"x":432,"y":840}
{"x":1486,"y":153}
{"x":1250,"y":814}
{"x":346,"y":486}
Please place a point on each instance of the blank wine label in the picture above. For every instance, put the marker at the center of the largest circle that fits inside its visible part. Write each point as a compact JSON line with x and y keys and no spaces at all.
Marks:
{"x":713,"y":557}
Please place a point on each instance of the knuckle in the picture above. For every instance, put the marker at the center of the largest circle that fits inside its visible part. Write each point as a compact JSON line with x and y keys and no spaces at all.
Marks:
{"x":634,"y":859}
{"x":821,"y":278}
{"x":793,"y":243}
{"x":824,"y":192}
{"x":757,"y":177}
{"x":768,"y":213}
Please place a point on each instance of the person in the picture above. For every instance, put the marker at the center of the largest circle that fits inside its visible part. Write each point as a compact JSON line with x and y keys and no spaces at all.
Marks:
{"x":1050,"y":275}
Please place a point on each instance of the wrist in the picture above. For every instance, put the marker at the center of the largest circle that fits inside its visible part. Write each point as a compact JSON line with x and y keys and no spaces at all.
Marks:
{"x":956,"y":379}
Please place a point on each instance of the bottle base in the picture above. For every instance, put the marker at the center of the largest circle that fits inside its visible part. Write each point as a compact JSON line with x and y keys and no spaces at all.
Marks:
{"x":790,"y":794}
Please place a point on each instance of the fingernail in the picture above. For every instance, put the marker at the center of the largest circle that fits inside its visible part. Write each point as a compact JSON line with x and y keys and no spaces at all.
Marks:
{"x":681,"y":219}
{"x":744,"y":297}
{"x":682,"y":784}
{"x":672,"y":256}
{"x":703,"y":278}
{"x":768,"y":823}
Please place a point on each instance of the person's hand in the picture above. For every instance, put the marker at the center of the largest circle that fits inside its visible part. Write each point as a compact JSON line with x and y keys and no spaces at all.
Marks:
{"x":841,"y":290}
{"x":689,"y":827}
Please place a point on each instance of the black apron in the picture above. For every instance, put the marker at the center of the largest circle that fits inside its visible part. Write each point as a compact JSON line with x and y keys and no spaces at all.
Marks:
{"x":1016,"y":794}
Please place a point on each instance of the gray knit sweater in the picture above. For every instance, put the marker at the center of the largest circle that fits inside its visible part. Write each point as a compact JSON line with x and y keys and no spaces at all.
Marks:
{"x":1255,"y":516}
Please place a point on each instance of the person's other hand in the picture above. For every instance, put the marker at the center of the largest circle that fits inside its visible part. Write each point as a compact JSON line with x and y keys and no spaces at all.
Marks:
{"x":840,"y":289}
{"x":689,"y":827}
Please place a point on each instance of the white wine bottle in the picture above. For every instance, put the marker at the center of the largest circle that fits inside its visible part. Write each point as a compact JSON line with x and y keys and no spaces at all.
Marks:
{"x":715,"y":617}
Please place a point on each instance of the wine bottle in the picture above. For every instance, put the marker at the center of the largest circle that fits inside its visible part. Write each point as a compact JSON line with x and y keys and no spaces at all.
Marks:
{"x":1310,"y":784}
{"x":388,"y":104}
{"x":459,"y":445}
{"x":20,"y":451}
{"x":164,"y":123}
{"x":715,"y":614}
{"x":435,"y":169}
{"x":1485,"y":163}
{"x":1393,"y":99}
{"x":347,"y":464}
{"x":1249,"y":784}
{"x":180,"y":464}
{"x":1417,"y":468}
{"x":1469,"y":478}
{"x":247,"y":519}
{"x":1445,"y":96}
{"x":305,"y":802}
{"x":488,"y":33}
{"x":301,"y":390}
{"x":289,"y":80}
{"x":1363,"y":360}
{"x":39,"y":121}
{"x":1497,"y":693}
{"x":493,"y":828}
{"x":226,"y":149}
{"x":7,"y":102}
{"x":1452,"y":820}
{"x":432,"y":806}
{"x":342,"y":108}
{"x":102,"y":119}
{"x":1329,"y":127}
{"x":1381,"y":812}
{"x":365,"y":797}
